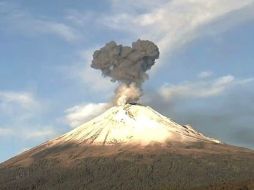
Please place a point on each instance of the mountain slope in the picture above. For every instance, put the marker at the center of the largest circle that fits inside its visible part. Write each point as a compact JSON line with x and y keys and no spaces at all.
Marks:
{"x":124,"y":148}
{"x":132,"y":124}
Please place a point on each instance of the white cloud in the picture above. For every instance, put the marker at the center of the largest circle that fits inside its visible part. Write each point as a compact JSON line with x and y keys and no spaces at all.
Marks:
{"x":16,"y":19}
{"x":39,"y":133}
{"x":137,"y":5}
{"x":60,"y":29}
{"x":93,"y":78}
{"x":19,"y":111}
{"x":205,"y":74}
{"x":25,"y":133}
{"x":77,"y":115}
{"x":201,"y":88}
{"x":169,"y":23}
{"x":5,"y":132}
{"x":23,"y":99}
{"x":19,"y":104}
{"x":173,"y":23}
{"x":87,"y":77}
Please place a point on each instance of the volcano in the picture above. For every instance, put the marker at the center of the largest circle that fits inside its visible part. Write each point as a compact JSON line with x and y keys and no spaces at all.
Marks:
{"x":130,"y":147}
{"x":131,"y":124}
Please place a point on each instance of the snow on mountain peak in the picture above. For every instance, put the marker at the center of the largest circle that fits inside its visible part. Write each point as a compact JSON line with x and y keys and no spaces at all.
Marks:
{"x":131,"y":124}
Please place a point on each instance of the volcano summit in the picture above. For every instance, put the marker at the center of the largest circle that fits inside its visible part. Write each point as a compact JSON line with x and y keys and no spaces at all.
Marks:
{"x":130,"y":147}
{"x":131,"y":124}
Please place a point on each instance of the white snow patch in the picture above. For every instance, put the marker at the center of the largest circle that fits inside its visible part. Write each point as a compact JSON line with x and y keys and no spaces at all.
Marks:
{"x":131,"y":124}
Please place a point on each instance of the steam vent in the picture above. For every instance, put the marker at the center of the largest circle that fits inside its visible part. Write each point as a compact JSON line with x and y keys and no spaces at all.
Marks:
{"x":130,"y":147}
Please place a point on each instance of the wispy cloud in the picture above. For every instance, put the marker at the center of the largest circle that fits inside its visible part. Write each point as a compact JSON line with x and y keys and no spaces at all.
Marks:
{"x":20,"y":116}
{"x":59,"y":29}
{"x":79,"y":114}
{"x":81,"y":72}
{"x":40,"y":133}
{"x":169,"y":23}
{"x":20,"y":104}
{"x":201,"y":88}
{"x":90,"y":75}
{"x":15,"y":18}
{"x":205,"y":74}
{"x":23,"y":99}
{"x":5,"y":131}
{"x":219,"y":107}
{"x":173,"y":23}
{"x":28,"y":134}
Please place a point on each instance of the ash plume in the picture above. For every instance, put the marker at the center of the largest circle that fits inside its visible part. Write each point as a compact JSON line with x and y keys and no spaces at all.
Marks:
{"x":127,"y":66}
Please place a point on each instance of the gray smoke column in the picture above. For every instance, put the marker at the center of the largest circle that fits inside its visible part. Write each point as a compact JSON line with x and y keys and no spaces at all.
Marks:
{"x":126,"y":65}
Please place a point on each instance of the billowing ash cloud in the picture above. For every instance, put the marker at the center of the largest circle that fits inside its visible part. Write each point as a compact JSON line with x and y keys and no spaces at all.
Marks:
{"x":126,"y":65}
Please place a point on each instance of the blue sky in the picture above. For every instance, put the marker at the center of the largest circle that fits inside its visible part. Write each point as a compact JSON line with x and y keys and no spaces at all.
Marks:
{"x":204,"y":77}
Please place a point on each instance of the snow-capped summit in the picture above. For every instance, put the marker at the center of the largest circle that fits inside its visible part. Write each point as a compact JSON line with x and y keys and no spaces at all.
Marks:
{"x":131,"y":123}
